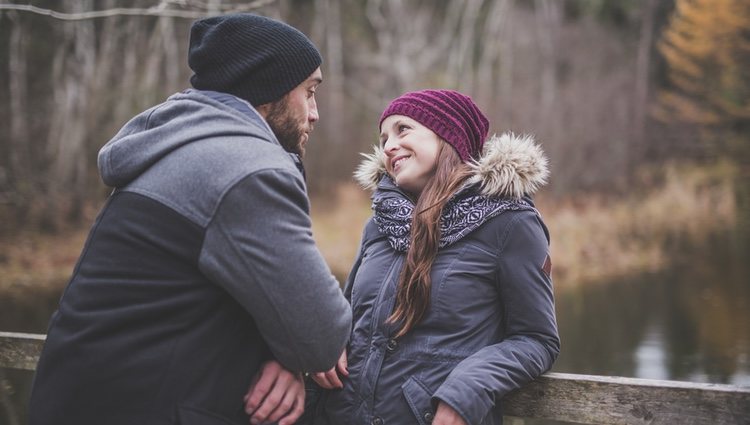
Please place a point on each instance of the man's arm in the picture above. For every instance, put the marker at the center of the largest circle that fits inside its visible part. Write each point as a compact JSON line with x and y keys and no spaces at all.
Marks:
{"x":259,"y":247}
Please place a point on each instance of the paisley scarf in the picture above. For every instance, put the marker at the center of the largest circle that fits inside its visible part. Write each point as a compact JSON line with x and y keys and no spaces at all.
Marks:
{"x":464,"y":213}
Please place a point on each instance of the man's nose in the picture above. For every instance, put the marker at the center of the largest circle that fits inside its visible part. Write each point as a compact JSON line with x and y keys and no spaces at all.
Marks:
{"x":313,"y":115}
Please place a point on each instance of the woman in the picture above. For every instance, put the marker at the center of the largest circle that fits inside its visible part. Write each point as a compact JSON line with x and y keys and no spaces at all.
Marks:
{"x":451,"y":294}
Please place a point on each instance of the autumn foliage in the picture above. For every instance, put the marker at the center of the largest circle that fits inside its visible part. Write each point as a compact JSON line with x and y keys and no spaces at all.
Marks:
{"x":706,"y":46}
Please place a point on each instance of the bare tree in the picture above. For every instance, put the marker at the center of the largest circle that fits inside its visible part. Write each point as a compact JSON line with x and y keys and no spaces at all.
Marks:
{"x":18,"y":102}
{"x":642,"y":80}
{"x":495,"y":32}
{"x":549,"y":20}
{"x":67,"y":136}
{"x":461,"y":56}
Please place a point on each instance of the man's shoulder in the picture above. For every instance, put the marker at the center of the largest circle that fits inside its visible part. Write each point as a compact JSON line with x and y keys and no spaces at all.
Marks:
{"x":194,"y":178}
{"x":227,"y":154}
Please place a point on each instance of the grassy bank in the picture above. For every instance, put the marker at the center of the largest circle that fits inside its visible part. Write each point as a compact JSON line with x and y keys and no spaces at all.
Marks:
{"x":594,"y":237}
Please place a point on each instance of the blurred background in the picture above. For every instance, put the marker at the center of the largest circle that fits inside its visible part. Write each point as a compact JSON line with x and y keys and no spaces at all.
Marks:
{"x":643,"y":107}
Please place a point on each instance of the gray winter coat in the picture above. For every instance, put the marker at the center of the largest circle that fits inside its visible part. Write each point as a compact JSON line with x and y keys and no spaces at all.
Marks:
{"x":490,"y":327}
{"x":200,"y":266}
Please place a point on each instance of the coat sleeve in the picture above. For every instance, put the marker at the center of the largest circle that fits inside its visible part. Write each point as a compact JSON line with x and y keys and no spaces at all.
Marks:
{"x":259,"y":248}
{"x":531,"y":341}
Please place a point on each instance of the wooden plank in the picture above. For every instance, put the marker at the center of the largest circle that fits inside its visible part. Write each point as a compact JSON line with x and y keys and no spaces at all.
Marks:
{"x":20,"y":350}
{"x":584,"y":399}
{"x":589,"y":399}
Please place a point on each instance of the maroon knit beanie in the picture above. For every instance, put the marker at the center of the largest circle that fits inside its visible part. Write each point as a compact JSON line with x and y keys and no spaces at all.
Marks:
{"x":451,"y":115}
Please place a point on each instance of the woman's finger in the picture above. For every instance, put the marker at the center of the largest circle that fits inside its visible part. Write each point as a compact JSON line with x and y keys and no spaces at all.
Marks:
{"x":341,"y":366}
{"x":321,"y":379}
{"x":333,"y":378}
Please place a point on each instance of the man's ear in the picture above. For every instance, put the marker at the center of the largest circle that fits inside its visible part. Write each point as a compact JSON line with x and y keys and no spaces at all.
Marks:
{"x":263,"y":110}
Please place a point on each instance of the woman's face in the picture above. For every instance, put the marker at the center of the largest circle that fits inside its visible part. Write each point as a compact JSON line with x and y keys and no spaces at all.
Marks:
{"x":411,"y":151}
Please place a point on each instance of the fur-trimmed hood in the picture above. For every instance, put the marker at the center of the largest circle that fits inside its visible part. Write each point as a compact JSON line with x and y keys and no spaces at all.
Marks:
{"x":510,"y":166}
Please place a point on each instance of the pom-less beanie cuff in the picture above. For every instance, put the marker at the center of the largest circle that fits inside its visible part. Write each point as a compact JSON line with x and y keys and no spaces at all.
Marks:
{"x":453,"y":116}
{"x":252,"y":57}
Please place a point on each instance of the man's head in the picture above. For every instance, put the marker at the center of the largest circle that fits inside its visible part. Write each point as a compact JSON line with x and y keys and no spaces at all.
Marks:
{"x":292,"y":118}
{"x":266,"y":62}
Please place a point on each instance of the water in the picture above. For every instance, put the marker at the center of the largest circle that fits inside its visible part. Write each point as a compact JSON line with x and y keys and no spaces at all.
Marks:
{"x":690,"y":323}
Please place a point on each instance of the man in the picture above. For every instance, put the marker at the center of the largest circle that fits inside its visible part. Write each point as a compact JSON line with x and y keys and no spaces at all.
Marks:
{"x":201,"y":267}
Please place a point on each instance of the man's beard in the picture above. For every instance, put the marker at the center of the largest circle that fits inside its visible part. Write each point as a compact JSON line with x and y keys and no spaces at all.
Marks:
{"x":285,"y":127}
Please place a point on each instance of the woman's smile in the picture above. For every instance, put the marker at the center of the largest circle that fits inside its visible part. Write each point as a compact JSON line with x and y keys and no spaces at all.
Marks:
{"x":396,"y":162}
{"x":411,"y":149}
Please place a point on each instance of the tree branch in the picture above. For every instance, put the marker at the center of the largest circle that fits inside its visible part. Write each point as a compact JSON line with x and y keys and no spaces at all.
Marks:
{"x":159,"y":10}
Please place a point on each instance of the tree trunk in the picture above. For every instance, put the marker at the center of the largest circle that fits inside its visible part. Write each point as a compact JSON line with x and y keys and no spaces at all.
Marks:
{"x":642,"y":79}
{"x":19,"y":155}
{"x":491,"y":40}
{"x":549,"y":17}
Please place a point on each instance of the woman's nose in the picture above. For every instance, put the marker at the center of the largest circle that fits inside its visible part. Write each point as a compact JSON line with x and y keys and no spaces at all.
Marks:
{"x":390,"y":147}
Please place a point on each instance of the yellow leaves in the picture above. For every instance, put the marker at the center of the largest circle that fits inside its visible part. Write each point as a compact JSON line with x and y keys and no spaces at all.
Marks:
{"x":707,"y":49}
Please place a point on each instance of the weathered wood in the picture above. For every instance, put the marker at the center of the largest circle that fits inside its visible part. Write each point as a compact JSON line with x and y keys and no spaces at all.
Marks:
{"x":584,"y":399}
{"x":19,"y":350}
{"x":591,"y":399}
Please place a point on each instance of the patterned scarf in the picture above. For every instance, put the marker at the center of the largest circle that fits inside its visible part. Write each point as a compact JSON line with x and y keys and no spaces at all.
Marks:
{"x":465,"y":212}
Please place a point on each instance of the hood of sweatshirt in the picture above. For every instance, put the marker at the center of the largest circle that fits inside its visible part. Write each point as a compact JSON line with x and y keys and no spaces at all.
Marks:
{"x":510,"y":166}
{"x":184,"y":118}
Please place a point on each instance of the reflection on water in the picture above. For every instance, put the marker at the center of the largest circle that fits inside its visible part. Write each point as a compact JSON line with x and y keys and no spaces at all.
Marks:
{"x":691,"y":323}
{"x":650,"y":355}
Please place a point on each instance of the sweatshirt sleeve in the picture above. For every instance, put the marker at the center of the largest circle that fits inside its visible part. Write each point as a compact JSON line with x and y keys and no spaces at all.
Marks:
{"x":259,"y":248}
{"x":531,"y":344}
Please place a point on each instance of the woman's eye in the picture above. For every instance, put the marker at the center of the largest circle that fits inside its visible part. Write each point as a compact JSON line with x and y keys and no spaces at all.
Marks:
{"x":402,"y":128}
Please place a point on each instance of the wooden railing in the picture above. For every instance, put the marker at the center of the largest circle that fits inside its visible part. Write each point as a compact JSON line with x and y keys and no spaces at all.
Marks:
{"x":584,"y":399}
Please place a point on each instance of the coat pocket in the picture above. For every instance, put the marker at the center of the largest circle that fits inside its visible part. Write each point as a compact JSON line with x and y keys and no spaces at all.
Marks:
{"x":418,"y":397}
{"x":188,"y":415}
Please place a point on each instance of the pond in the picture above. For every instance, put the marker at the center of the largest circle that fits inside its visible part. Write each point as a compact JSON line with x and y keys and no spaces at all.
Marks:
{"x":690,"y":322}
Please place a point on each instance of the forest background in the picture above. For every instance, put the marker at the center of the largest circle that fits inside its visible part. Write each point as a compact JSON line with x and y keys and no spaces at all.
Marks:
{"x":643,"y":107}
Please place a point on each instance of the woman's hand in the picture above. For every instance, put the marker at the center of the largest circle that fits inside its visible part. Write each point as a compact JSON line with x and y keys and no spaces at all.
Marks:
{"x":330,"y":380}
{"x":276,"y":394}
{"x":445,"y":415}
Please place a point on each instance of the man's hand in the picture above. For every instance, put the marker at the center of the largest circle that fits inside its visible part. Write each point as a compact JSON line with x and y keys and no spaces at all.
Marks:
{"x":445,"y":415}
{"x":276,"y":394}
{"x":330,"y":380}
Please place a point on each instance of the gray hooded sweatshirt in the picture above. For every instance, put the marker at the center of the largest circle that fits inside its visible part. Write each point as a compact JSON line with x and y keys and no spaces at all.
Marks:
{"x":200,"y":266}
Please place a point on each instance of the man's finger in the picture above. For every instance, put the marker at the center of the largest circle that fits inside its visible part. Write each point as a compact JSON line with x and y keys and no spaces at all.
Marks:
{"x":266,"y":407}
{"x":284,"y":381}
{"x":265,"y":383}
{"x":286,"y":404}
{"x":298,"y":409}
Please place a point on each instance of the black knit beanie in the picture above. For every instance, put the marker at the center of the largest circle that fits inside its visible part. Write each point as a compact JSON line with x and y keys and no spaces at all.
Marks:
{"x":252,"y":57}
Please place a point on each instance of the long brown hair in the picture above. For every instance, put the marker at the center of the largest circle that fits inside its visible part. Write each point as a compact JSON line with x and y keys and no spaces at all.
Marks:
{"x":413,"y":292}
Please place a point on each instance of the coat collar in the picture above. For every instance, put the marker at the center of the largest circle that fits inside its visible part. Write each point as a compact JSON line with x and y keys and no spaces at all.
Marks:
{"x":510,"y":166}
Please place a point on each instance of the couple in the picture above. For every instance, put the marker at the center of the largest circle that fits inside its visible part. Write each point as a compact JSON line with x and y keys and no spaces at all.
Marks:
{"x":201,"y":298}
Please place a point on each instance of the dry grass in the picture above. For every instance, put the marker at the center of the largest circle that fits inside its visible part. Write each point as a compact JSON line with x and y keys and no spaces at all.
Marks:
{"x":338,"y":220}
{"x":30,"y":261}
{"x":593,"y":238}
